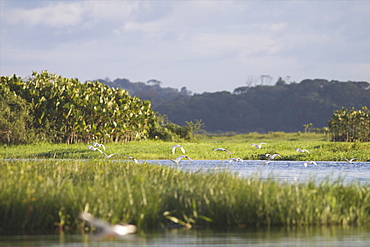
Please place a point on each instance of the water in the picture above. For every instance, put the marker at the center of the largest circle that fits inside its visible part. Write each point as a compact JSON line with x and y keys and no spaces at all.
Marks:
{"x":305,"y":236}
{"x":288,"y":171}
{"x":285,"y":171}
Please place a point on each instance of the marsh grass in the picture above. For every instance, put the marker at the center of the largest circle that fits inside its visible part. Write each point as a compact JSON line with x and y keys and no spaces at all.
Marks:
{"x":59,"y":181}
{"x":240,"y":146}
{"x":49,"y":194}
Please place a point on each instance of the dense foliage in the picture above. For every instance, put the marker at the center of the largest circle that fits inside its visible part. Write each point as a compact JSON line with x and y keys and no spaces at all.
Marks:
{"x":14,"y":118}
{"x":350,"y":125}
{"x":65,"y":110}
{"x":163,"y":129}
{"x":283,"y":107}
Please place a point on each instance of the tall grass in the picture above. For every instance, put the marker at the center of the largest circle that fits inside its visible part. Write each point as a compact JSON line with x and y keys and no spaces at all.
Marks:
{"x":50,"y":194}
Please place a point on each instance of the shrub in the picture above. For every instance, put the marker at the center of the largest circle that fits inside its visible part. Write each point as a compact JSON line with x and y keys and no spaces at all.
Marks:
{"x":14,"y":117}
{"x":350,"y":125}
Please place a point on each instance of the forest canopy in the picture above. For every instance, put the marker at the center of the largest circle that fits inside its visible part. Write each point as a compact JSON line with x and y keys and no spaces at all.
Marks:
{"x":281,"y":107}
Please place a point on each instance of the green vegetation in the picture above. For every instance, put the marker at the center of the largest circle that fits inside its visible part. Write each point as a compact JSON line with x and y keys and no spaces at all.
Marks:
{"x":50,"y":194}
{"x":261,"y":108}
{"x":151,"y":90}
{"x":50,"y":190}
{"x":14,"y":118}
{"x":163,"y":129}
{"x":50,"y":108}
{"x":240,"y":146}
{"x":67,"y":111}
{"x":350,"y":125}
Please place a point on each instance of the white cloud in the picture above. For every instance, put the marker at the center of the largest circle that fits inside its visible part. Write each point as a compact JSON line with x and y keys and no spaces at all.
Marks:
{"x":200,"y":44}
{"x":56,"y":15}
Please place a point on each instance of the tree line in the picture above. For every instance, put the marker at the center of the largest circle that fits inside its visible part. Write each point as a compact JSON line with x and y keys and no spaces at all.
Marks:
{"x":48,"y":107}
{"x":281,"y":107}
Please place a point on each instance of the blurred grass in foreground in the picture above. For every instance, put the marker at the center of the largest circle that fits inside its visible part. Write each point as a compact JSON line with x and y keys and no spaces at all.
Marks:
{"x":49,"y":194}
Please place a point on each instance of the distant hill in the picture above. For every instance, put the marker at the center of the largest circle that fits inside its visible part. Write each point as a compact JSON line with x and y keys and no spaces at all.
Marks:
{"x":150,"y":90}
{"x":282,"y":107}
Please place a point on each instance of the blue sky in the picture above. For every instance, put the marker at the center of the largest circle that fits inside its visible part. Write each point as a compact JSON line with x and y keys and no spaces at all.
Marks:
{"x":204,"y":45}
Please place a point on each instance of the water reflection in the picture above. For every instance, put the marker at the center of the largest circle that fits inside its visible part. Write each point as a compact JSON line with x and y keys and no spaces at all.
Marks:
{"x":281,"y":236}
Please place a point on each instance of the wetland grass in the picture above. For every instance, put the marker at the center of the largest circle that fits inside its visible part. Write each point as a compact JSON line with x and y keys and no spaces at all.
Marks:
{"x":49,"y":194}
{"x":284,"y":144}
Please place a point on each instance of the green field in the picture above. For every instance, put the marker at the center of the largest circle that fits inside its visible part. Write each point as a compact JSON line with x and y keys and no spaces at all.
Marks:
{"x":240,"y":146}
{"x":49,"y":193}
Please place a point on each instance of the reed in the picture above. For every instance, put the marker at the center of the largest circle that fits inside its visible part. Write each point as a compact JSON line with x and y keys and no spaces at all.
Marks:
{"x":48,"y":194}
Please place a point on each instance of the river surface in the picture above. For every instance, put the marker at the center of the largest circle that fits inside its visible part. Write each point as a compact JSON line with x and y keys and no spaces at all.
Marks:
{"x":284,"y":171}
{"x":290,"y":171}
{"x":275,"y":237}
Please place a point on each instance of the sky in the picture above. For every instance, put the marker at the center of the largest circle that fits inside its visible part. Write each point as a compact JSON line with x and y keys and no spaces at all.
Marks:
{"x":203,"y":45}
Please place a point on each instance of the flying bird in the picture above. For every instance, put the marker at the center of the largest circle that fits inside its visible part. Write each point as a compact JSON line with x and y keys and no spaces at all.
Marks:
{"x":177,"y":160}
{"x":133,"y":159}
{"x":235,"y":160}
{"x":105,"y":229}
{"x":309,"y":162}
{"x":98,"y":145}
{"x":178,"y":146}
{"x":272,"y":156}
{"x":98,"y":149}
{"x":350,"y":161}
{"x":222,"y":149}
{"x":108,"y":156}
{"x":258,"y":146}
{"x":302,"y":150}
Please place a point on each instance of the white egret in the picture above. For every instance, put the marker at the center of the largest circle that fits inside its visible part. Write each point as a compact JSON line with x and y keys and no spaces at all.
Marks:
{"x":222,"y":149}
{"x":258,"y":146}
{"x":178,"y":146}
{"x":350,"y":161}
{"x":272,"y":156}
{"x":235,"y":160}
{"x":97,"y":149}
{"x":108,"y":156}
{"x":106,"y":229}
{"x":309,"y":162}
{"x":177,"y":160}
{"x":98,"y":145}
{"x":133,"y":159}
{"x":302,"y":150}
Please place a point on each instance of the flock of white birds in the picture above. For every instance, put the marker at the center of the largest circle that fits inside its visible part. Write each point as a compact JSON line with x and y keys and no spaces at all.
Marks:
{"x":269,"y":157}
